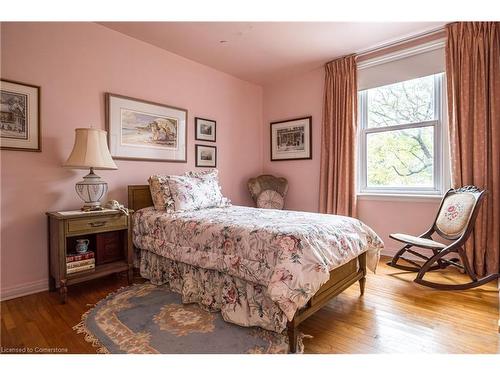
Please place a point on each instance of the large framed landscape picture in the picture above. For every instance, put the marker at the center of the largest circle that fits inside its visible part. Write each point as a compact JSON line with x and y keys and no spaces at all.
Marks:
{"x":143,"y":130}
{"x":19,"y":116}
{"x":291,"y":139}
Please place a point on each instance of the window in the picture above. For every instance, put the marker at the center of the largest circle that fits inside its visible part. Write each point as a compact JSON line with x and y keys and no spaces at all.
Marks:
{"x":400,"y":137}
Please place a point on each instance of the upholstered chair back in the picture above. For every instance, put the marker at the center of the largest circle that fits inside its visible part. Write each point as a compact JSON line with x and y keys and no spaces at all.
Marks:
{"x":457,"y":208}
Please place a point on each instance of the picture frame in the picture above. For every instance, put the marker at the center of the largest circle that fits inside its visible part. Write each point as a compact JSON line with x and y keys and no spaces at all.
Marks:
{"x":144,"y":130}
{"x":20,"y":126}
{"x":291,"y":139}
{"x":206,"y":156}
{"x":205,"y":129}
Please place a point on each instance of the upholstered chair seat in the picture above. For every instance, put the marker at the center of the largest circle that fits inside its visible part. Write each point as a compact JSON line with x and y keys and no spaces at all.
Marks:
{"x":417,"y":241}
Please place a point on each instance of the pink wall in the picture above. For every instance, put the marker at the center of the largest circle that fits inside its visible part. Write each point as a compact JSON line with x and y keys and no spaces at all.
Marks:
{"x":303,"y":96}
{"x":75,"y":64}
{"x":297,"y":97}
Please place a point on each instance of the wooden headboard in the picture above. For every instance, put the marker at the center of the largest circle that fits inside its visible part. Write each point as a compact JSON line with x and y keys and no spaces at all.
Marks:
{"x":139,"y":197}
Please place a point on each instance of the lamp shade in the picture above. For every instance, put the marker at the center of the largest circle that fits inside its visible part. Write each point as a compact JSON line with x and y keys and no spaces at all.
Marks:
{"x":90,"y":150}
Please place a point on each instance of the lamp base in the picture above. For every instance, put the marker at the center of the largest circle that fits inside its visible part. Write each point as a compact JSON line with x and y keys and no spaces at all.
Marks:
{"x":91,"y":208}
{"x":91,"y":190}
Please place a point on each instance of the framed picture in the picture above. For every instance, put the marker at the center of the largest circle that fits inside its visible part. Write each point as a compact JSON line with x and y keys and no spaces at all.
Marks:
{"x":206,"y":156}
{"x":204,"y":129}
{"x":143,"y":130}
{"x":20,"y":116}
{"x":291,"y":139}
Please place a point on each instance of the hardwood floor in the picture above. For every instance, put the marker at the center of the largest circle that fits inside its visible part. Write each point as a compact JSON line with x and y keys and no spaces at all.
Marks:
{"x":395,"y":315}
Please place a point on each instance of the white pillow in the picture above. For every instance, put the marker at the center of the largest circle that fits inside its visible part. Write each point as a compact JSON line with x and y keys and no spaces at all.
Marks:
{"x":196,"y":190}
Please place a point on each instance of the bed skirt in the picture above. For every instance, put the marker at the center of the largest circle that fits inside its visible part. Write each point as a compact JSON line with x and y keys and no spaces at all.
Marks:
{"x":239,"y":301}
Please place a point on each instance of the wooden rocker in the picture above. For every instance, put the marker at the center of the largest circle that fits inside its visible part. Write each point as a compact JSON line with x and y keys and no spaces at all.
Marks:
{"x":455,"y":220}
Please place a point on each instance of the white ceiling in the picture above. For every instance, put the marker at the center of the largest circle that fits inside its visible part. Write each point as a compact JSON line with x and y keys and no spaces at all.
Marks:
{"x":261,"y":52}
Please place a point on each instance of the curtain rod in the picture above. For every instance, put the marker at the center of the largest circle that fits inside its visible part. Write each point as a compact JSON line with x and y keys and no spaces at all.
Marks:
{"x":393,"y":44}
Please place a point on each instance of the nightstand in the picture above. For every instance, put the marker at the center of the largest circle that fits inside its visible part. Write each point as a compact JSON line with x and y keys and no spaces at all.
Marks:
{"x":109,"y":236}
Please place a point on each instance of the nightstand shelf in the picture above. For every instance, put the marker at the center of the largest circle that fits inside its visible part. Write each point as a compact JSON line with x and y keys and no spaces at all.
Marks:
{"x":109,"y":236}
{"x":99,"y":271}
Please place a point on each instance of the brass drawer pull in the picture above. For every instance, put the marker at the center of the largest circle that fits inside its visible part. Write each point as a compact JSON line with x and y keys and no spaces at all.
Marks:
{"x":97,"y":224}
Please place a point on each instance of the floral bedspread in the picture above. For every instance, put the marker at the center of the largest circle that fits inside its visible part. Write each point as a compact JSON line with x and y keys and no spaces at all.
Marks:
{"x":290,"y":253}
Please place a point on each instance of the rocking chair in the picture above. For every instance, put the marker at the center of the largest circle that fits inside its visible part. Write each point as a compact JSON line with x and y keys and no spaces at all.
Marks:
{"x":454,"y":221}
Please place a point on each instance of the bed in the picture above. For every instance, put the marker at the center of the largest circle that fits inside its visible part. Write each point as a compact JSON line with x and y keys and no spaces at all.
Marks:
{"x":266,"y":268}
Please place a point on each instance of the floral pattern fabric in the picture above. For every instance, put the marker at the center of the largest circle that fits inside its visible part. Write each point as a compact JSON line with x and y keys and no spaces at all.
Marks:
{"x":455,"y":213}
{"x":240,"y":302}
{"x":191,"y":191}
{"x":160,"y":193}
{"x":288,"y":253}
{"x":194,"y":191}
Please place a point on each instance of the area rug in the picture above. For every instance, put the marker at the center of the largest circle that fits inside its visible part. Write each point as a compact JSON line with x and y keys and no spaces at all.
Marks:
{"x":152,"y":319}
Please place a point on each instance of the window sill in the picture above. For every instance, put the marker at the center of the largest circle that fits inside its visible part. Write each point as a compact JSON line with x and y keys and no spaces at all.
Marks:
{"x":399,"y":197}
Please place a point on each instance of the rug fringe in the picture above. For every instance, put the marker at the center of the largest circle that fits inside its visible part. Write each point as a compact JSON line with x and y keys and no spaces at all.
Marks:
{"x":300,"y":342}
{"x":81,"y":328}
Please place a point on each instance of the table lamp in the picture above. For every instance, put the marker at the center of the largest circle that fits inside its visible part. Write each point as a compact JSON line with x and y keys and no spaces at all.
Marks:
{"x":91,"y":151}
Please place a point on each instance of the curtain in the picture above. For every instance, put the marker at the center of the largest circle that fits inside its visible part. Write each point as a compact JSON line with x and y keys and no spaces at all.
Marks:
{"x":338,"y":138}
{"x":473,"y":83}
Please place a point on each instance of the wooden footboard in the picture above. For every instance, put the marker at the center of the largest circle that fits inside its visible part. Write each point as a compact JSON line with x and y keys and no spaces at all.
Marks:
{"x":341,"y":278}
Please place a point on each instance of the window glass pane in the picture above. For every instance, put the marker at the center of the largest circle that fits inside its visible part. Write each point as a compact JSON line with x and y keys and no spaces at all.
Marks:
{"x":401,"y":103}
{"x":401,"y":158}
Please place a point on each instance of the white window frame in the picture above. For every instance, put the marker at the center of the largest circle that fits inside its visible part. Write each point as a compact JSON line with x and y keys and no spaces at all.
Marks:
{"x":439,"y":178}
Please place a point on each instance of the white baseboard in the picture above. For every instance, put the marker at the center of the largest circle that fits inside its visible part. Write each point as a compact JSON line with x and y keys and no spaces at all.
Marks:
{"x":24,"y":289}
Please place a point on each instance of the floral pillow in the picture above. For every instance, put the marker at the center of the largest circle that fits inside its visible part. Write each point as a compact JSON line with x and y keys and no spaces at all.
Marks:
{"x":197,"y":190}
{"x":160,"y":193}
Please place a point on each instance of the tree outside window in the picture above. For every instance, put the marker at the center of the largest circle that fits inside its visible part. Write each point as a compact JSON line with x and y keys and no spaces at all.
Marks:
{"x":399,"y":126}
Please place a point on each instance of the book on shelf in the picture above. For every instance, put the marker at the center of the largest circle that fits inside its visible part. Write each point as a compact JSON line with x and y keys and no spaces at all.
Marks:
{"x":80,"y":263}
{"x":77,"y":257}
{"x":88,"y":267}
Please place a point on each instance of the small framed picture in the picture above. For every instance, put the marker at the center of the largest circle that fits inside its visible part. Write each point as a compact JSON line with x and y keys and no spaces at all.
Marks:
{"x":143,"y":130}
{"x":206,"y":156}
{"x":19,"y":116}
{"x":204,"y":129}
{"x":291,"y":139}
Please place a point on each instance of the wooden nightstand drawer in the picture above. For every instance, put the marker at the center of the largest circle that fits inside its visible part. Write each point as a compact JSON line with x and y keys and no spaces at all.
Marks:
{"x":101,"y":223}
